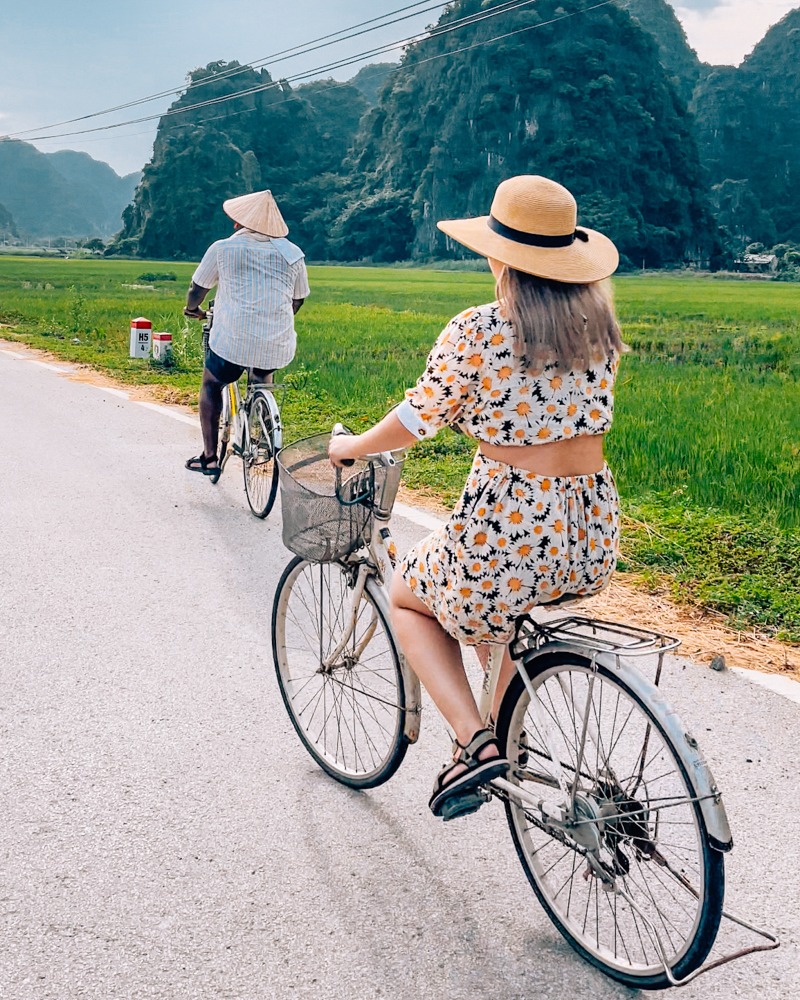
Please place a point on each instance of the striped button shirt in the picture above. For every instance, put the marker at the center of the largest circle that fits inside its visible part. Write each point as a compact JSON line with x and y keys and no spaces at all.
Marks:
{"x":256,"y":278}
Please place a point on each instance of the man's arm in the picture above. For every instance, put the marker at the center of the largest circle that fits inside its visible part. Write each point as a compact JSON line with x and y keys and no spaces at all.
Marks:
{"x":296,"y":303}
{"x":194,"y":298}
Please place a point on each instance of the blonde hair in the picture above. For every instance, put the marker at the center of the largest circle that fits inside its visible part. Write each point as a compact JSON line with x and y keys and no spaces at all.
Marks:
{"x":569,"y":325}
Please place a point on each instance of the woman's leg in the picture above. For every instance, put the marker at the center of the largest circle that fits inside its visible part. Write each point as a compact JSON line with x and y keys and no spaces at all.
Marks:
{"x":435,"y":657}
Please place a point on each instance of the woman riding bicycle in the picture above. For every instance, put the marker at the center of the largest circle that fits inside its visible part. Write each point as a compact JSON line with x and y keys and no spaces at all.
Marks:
{"x":531,"y":376}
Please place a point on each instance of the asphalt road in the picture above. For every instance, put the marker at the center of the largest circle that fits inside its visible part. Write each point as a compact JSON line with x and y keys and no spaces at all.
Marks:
{"x":164,"y":834}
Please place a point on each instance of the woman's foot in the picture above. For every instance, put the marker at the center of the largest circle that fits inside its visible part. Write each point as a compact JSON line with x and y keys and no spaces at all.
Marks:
{"x":456,"y":791}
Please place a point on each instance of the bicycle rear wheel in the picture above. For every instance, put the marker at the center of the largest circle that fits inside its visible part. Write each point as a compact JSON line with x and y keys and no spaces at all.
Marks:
{"x":634,"y":794}
{"x":349,"y":711}
{"x":258,"y":457}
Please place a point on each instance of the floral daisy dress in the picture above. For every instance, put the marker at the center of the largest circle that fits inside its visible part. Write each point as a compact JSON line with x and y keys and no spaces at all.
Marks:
{"x":515,"y":540}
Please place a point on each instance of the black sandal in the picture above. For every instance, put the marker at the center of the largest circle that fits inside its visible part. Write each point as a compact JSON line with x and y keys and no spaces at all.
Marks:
{"x":464,"y":795}
{"x":201,"y":464}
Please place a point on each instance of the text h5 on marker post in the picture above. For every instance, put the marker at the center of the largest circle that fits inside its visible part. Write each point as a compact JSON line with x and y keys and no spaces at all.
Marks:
{"x":141,"y":334}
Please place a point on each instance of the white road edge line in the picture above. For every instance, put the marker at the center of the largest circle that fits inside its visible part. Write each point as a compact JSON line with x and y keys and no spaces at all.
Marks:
{"x":780,"y":685}
{"x":46,"y":364}
{"x":15,"y":354}
{"x":424,"y":518}
{"x":174,"y":414}
{"x":107,"y":388}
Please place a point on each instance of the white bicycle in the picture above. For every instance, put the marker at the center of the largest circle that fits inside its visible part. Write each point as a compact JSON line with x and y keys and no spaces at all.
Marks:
{"x":614,"y":814}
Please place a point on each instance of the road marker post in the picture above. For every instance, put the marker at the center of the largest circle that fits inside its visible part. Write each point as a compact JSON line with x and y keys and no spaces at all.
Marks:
{"x":162,"y":346}
{"x":141,"y":332}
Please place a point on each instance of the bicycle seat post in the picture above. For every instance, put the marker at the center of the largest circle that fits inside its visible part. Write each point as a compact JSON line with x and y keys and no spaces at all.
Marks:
{"x":490,"y":678}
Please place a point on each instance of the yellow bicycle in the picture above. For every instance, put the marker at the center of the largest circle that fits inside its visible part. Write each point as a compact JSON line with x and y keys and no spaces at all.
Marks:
{"x":250,"y":427}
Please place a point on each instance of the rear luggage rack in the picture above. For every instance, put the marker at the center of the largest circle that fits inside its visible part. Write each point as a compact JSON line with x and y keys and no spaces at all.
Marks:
{"x":592,"y":634}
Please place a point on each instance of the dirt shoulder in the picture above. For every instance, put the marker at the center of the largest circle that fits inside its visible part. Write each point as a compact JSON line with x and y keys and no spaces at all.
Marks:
{"x":703,"y":634}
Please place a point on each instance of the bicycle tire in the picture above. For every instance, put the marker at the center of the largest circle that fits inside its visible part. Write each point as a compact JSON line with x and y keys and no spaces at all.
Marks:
{"x":350,"y":718}
{"x":258,"y":457}
{"x":669,"y":867}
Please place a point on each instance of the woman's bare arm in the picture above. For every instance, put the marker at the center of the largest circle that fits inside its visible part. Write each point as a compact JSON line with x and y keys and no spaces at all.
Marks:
{"x":388,"y":435}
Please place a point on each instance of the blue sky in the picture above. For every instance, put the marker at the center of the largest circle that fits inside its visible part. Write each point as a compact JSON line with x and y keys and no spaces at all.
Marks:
{"x":62,"y":59}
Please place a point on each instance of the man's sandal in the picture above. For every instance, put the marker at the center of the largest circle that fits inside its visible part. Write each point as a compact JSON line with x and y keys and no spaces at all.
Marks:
{"x":201,"y":464}
{"x":463,"y":795}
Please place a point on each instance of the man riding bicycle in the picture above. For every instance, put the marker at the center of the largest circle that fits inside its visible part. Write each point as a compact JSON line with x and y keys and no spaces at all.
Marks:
{"x":261,"y":281}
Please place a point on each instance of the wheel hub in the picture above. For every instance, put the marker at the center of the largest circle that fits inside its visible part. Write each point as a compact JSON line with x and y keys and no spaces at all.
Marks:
{"x":623,"y":824}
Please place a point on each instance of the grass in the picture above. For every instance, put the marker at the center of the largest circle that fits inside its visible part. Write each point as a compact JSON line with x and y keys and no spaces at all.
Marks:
{"x":705,"y":445}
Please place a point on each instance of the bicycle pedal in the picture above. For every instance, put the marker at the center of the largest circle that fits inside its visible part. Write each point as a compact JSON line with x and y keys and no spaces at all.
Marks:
{"x":464,"y":805}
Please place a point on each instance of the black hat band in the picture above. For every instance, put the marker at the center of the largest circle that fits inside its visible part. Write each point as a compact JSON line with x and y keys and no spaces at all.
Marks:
{"x":535,"y":239}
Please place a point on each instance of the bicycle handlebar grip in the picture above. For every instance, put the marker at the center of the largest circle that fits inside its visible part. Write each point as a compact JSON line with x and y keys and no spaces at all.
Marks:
{"x":341,"y":429}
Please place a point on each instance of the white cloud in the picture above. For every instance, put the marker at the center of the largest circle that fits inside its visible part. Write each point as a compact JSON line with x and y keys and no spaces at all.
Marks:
{"x":725,"y":31}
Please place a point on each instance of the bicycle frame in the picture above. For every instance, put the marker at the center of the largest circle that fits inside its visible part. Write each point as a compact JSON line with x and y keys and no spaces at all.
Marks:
{"x":236,"y":428}
{"x":381,"y":557}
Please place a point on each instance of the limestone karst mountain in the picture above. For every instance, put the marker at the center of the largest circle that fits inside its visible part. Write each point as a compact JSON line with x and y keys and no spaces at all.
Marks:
{"x":62,"y":194}
{"x":748,"y":129}
{"x":580,"y":96}
{"x":658,"y":146}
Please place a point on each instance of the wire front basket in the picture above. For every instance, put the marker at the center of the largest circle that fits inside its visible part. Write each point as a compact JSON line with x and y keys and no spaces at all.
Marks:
{"x":327,"y":512}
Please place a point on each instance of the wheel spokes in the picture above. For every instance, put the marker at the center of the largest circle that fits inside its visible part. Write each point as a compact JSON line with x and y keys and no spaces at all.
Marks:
{"x":348,"y":708}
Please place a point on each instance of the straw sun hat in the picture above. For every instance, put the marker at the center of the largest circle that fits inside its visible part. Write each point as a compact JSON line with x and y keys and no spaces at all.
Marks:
{"x":532,"y":227}
{"x":257,"y":211}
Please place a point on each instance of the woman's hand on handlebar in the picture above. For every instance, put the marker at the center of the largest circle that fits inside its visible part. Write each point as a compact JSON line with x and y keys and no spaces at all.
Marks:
{"x":387,"y":436}
{"x":342,"y":450}
{"x":196,"y":313}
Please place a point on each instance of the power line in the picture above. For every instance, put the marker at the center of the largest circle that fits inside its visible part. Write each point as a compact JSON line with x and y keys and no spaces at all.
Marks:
{"x":434,"y":33}
{"x":299,"y":98}
{"x":290,"y":53}
{"x":418,"y":62}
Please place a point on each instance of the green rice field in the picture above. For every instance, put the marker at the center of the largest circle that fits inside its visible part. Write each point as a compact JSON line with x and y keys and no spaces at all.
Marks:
{"x":706,"y":440}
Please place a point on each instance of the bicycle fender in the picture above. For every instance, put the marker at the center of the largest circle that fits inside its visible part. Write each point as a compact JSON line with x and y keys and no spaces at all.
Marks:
{"x":683,"y":741}
{"x":413,"y":692}
{"x":413,"y":702}
{"x":275,"y":417}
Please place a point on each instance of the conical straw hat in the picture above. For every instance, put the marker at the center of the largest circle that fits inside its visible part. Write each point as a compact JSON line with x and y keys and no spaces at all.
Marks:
{"x":532,"y":227}
{"x":257,"y":211}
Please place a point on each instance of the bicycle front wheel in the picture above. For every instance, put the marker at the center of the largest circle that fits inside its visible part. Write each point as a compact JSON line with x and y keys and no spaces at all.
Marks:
{"x":636,"y":813}
{"x":348,"y":708}
{"x":258,"y":458}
